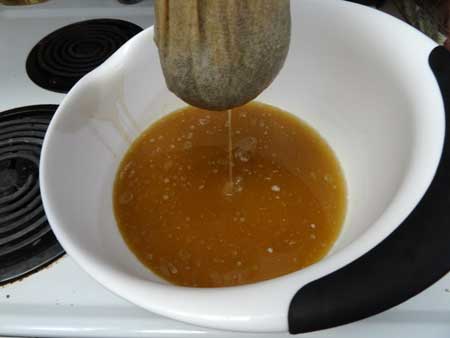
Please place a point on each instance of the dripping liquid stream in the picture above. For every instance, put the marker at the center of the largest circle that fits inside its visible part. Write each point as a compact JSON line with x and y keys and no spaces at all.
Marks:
{"x":229,"y":188}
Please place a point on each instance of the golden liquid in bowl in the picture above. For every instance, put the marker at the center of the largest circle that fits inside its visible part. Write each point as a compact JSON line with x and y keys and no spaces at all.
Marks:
{"x":182,"y":217}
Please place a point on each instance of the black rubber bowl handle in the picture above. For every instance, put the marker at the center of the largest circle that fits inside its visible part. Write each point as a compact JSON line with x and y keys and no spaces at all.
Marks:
{"x":375,"y":3}
{"x":412,"y":258}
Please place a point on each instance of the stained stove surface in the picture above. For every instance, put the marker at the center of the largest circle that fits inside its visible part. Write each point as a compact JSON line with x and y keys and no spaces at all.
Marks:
{"x":26,"y":240}
{"x":61,"y":300}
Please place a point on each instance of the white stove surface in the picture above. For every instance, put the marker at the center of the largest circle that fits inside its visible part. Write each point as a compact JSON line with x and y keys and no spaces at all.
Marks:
{"x":62,"y":300}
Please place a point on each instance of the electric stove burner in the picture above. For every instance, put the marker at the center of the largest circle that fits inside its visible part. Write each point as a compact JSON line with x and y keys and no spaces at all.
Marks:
{"x":26,"y":240}
{"x":63,"y":57}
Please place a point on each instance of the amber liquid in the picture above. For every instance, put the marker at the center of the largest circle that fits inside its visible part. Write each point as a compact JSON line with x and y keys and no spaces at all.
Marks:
{"x":176,"y":212}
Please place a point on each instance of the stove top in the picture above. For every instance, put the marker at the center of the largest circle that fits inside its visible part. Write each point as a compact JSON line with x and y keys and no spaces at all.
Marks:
{"x":26,"y":240}
{"x":64,"y":56}
{"x":60,"y":299}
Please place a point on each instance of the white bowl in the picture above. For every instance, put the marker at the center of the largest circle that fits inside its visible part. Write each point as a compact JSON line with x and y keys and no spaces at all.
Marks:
{"x":359,"y":77}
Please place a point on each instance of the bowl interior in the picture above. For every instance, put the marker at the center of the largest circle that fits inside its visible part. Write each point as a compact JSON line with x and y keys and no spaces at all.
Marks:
{"x":364,"y":101}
